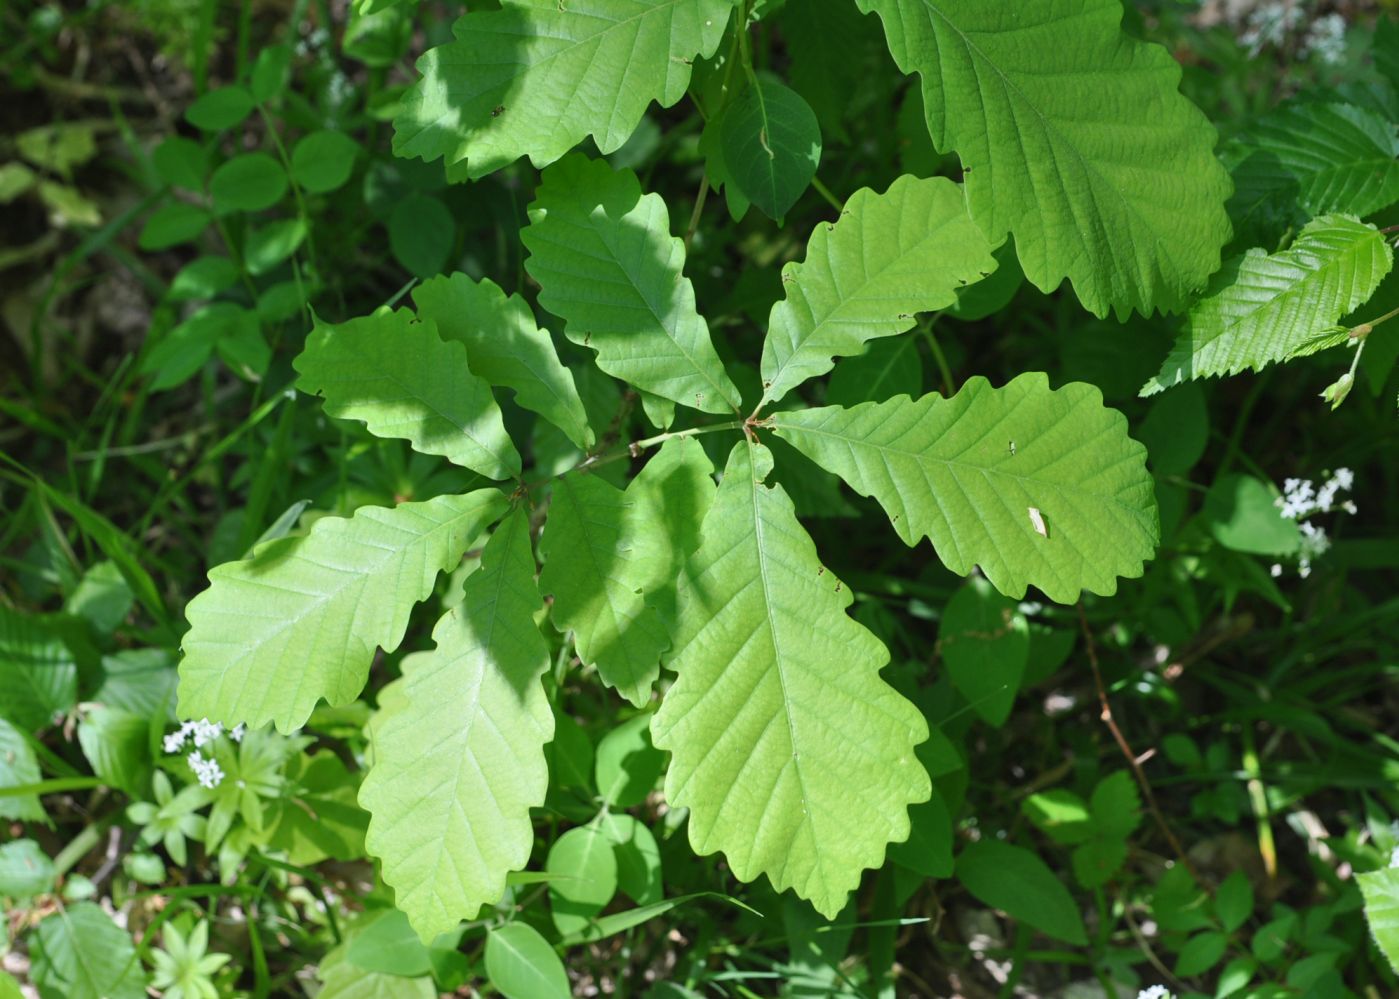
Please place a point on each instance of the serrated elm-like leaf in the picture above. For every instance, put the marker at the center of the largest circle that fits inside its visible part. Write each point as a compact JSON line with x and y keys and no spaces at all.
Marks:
{"x":1263,"y":308}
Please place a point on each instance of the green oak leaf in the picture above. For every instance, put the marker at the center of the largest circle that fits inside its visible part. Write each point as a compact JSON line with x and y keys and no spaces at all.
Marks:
{"x":506,"y":347}
{"x":300,"y":619}
{"x":607,"y":264}
{"x":1263,"y":307}
{"x":1047,"y":105}
{"x":888,"y":257}
{"x":459,"y":746}
{"x":402,"y":380}
{"x":793,"y":756}
{"x":535,"y":77}
{"x":967,"y":472}
{"x":589,"y":551}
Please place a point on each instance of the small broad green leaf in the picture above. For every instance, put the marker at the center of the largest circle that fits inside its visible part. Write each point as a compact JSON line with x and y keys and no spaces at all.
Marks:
{"x":1013,"y":879}
{"x":1043,"y":103}
{"x":928,"y":849}
{"x":459,"y":746}
{"x":586,"y":855}
{"x":300,"y":619}
{"x":588,"y":549}
{"x":993,"y":293}
{"x":25,"y":870}
{"x":270,"y":71}
{"x":1176,"y":430}
{"x":1233,"y":903}
{"x":171,"y":224}
{"x":590,"y":228}
{"x":249,"y":182}
{"x":1096,"y":862}
{"x":117,"y":745}
{"x":888,"y":257}
{"x":793,"y":756}
{"x":628,"y":764}
{"x":985,"y":642}
{"x":1059,"y":814}
{"x":772,"y":146}
{"x":1116,"y":805}
{"x":387,"y":943}
{"x":421,"y":233}
{"x":271,"y":244}
{"x":521,"y":964}
{"x":220,"y":109}
{"x":981,"y":473}
{"x":1260,"y":307}
{"x":638,"y":858}
{"x":402,"y":380}
{"x":18,"y":767}
{"x":535,"y":77}
{"x":323,"y":161}
{"x":324,"y":821}
{"x":1201,"y":953}
{"x":79,"y":953}
{"x":39,"y":669}
{"x":203,"y":277}
{"x":1242,"y":514}
{"x":181,"y":162}
{"x":506,"y":347}
{"x":1381,"y":892}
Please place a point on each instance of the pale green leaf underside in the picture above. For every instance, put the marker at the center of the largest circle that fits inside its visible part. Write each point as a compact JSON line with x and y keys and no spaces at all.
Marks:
{"x":794,"y":757}
{"x":1340,"y":157}
{"x":402,"y":380}
{"x":458,"y":746}
{"x":590,"y":568}
{"x":506,"y":347}
{"x":1261,"y":307}
{"x":888,"y":257}
{"x":1075,"y":138}
{"x":965,"y":472}
{"x":607,"y":264}
{"x":1381,"y":891}
{"x":300,"y":619}
{"x":537,"y":76}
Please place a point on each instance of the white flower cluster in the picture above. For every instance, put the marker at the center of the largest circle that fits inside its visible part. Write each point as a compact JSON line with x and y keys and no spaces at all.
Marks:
{"x":1155,"y":992}
{"x":202,"y":732}
{"x":208,"y":772}
{"x":1270,"y":24}
{"x":1302,"y":498}
{"x":1326,"y":39}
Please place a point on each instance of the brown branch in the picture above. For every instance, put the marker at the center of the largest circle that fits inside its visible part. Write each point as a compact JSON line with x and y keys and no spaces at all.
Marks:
{"x":1122,"y":744}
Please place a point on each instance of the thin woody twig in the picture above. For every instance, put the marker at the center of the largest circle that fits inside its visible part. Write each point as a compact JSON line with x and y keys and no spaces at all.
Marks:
{"x":1126,"y":748}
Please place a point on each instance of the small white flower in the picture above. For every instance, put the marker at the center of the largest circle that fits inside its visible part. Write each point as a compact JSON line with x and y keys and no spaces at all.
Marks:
{"x":1276,"y":570}
{"x":174,"y":742}
{"x":208,"y":772}
{"x":205,"y":732}
{"x":1155,"y":992}
{"x":1394,"y":857}
{"x":236,"y":734}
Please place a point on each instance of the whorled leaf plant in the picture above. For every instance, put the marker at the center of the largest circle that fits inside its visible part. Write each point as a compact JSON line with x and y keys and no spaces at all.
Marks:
{"x":794,"y":757}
